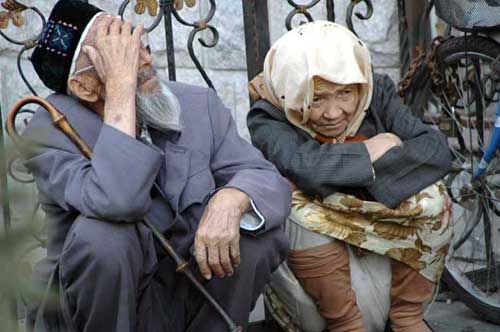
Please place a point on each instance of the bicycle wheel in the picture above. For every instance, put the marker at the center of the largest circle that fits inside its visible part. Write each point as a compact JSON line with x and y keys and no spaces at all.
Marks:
{"x":465,"y":91}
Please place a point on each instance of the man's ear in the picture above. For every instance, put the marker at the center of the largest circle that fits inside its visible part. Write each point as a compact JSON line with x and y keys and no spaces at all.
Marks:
{"x":82,"y":89}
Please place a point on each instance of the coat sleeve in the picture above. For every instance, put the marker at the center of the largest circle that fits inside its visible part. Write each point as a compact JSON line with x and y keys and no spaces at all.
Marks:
{"x":423,"y":159}
{"x":236,"y":163}
{"x":113,"y":186}
{"x":315,"y":168}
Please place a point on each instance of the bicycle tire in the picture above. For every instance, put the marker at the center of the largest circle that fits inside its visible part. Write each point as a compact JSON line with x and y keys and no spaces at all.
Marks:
{"x":477,"y":44}
{"x":455,"y":48}
{"x":484,"y":310}
{"x":466,"y":45}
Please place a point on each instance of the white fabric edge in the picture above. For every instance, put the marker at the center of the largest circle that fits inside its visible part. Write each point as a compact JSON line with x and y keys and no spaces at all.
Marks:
{"x":248,"y":220}
{"x":80,"y":42}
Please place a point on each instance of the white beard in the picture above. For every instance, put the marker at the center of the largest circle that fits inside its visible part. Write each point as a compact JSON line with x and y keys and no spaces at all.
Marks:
{"x":160,"y":109}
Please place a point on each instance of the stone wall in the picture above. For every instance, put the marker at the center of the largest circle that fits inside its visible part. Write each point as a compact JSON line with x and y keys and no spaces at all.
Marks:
{"x":225,"y":63}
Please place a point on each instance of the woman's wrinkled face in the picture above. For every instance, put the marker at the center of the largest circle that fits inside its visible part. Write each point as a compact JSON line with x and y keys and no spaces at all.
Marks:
{"x":333,"y":107}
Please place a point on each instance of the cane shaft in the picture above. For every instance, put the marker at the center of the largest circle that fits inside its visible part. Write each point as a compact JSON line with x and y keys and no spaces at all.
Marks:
{"x":183,"y":267}
{"x":62,"y":123}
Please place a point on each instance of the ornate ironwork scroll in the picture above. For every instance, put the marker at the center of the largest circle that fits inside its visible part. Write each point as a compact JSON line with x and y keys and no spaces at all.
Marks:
{"x":15,"y":13}
{"x":166,"y":10}
{"x":303,"y":9}
{"x":350,"y":9}
{"x":299,"y":10}
{"x":197,"y":27}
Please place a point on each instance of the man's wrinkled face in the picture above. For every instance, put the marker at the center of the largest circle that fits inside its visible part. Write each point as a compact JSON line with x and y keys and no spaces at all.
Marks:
{"x":333,"y":107}
{"x":156,"y":105}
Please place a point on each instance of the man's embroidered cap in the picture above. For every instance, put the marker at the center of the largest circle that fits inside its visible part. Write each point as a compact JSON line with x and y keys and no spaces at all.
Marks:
{"x":55,"y":50}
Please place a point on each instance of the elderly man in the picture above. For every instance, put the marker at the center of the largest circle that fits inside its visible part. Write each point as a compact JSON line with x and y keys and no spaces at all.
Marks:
{"x":169,"y":151}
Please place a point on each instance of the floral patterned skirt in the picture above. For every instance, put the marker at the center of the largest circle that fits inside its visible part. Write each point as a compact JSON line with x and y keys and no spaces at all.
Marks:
{"x":417,"y":232}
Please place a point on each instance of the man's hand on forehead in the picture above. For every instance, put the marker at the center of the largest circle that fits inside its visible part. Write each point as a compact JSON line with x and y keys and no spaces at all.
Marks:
{"x":115,"y":57}
{"x":115,"y":54}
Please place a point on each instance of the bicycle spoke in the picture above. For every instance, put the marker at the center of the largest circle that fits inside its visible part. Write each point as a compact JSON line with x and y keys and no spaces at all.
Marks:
{"x":492,"y":263}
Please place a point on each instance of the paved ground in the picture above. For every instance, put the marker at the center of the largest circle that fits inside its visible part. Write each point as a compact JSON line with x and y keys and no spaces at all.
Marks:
{"x":456,"y":317}
{"x":442,"y":317}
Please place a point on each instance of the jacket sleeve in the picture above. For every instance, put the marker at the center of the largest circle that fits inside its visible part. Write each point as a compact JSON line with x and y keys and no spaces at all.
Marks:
{"x":423,"y":158}
{"x":236,"y":163}
{"x":315,"y":168}
{"x":113,"y":186}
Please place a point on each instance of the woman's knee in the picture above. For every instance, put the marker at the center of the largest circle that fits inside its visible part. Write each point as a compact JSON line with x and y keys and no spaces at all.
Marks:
{"x":408,"y":285}
{"x":319,"y":261}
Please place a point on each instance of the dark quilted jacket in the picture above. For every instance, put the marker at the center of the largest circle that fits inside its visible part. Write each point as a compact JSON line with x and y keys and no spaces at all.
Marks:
{"x":322,"y":169}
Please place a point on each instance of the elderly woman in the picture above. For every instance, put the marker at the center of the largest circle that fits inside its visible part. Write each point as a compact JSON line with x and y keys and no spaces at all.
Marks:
{"x":366,"y":173}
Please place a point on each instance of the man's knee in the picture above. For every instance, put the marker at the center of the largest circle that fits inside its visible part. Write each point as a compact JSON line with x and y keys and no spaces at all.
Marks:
{"x":102,"y":246}
{"x":266,"y":251}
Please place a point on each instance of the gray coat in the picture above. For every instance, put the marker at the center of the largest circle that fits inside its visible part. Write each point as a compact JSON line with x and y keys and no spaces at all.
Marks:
{"x":327,"y":168}
{"x":115,"y":186}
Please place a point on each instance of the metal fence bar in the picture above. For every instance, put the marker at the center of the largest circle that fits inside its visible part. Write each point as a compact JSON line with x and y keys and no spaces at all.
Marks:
{"x":4,"y":192}
{"x":169,"y":39}
{"x":330,"y":10}
{"x":257,"y":41}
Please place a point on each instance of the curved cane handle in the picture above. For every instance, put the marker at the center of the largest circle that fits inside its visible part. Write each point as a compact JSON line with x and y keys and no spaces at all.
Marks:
{"x":58,"y":119}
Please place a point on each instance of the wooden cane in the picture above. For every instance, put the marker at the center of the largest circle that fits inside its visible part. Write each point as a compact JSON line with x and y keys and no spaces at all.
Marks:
{"x":59,"y":120}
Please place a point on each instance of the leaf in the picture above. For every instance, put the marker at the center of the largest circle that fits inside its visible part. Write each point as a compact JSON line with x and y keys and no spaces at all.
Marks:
{"x":441,"y":188}
{"x":351,"y":202}
{"x":4,"y":20}
{"x":443,"y":251}
{"x":356,"y":238}
{"x":408,"y":256}
{"x":18,"y":19}
{"x":405,"y":208}
{"x":332,"y":229}
{"x":437,"y":225}
{"x":421,"y":195}
{"x":300,"y":200}
{"x":190,"y":3}
{"x":140,"y":7}
{"x":152,"y":7}
{"x":14,"y":6}
{"x":421,"y":246}
{"x":393,"y":231}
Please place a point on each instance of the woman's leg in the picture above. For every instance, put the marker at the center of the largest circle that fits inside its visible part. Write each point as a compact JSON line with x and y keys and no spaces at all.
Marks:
{"x":409,"y":291}
{"x":324,"y":273}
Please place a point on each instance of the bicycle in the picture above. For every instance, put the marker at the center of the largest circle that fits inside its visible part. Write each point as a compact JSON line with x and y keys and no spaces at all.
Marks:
{"x":464,"y":72}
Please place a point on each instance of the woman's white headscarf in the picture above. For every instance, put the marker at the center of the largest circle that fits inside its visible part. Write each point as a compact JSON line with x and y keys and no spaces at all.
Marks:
{"x":317,"y":49}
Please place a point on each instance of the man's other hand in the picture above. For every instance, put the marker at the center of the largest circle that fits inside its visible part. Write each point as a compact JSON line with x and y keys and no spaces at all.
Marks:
{"x":378,"y":145}
{"x":217,"y":240}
